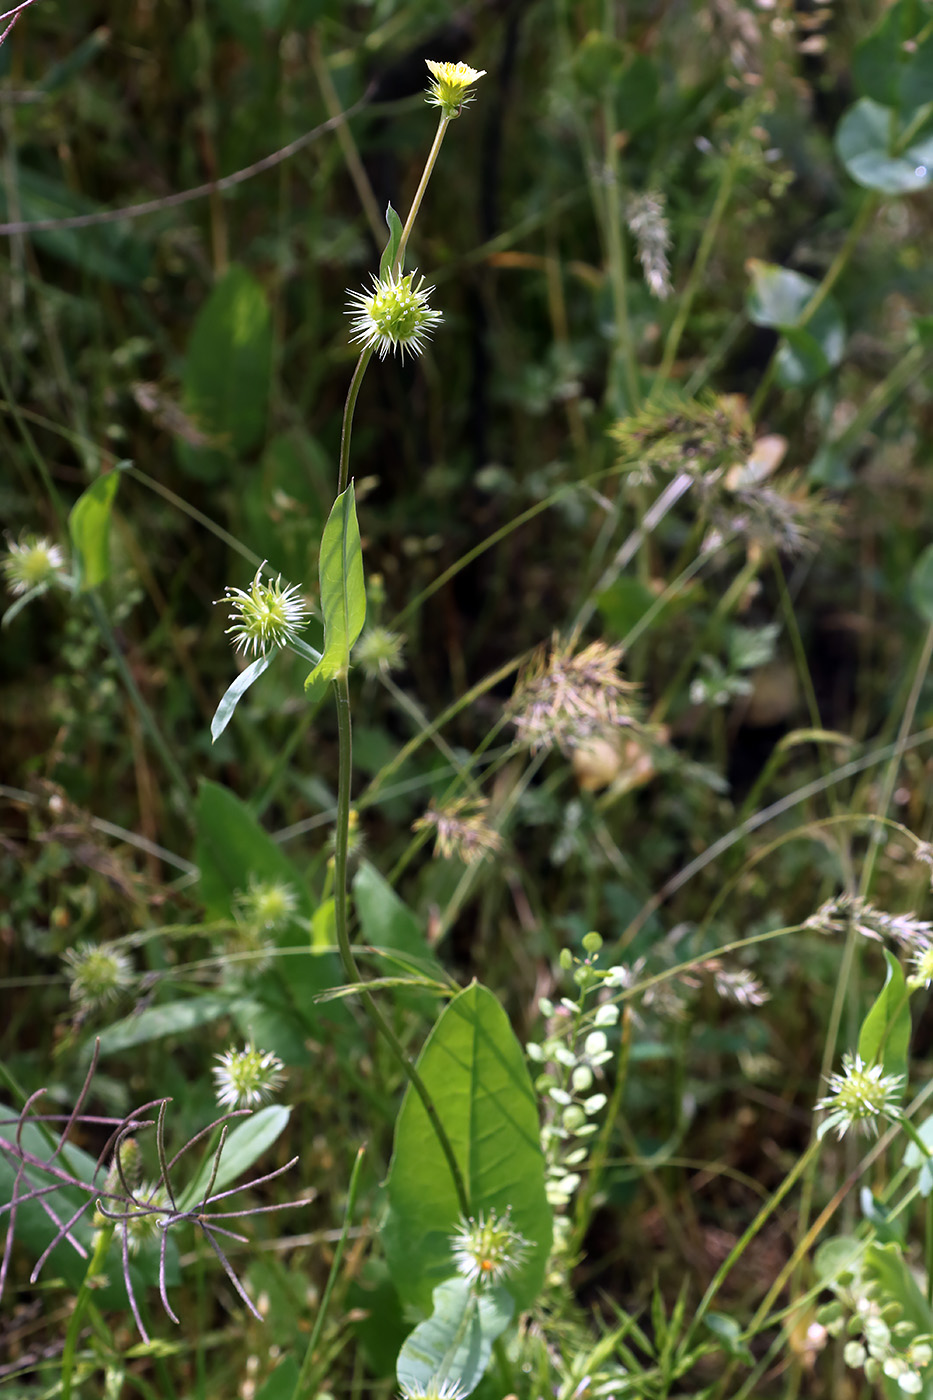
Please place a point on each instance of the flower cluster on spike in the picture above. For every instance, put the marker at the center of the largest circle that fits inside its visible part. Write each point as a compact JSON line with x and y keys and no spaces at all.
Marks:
{"x":395,"y":315}
{"x":448,"y":89}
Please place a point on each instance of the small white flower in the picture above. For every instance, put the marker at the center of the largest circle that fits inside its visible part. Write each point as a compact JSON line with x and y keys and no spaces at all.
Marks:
{"x":267,"y":615}
{"x":488,"y":1249}
{"x":448,"y":90}
{"x":858,"y":1097}
{"x":247,"y":1078}
{"x":395,"y":315}
{"x":32,"y":562}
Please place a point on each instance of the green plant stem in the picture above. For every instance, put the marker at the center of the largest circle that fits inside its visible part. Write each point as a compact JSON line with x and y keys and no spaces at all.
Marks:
{"x":707,"y":243}
{"x":442,"y":126}
{"x":764,"y":1214}
{"x":94,"y":1268}
{"x":341,"y":847}
{"x":623,"y":349}
{"x":302,"y":1385}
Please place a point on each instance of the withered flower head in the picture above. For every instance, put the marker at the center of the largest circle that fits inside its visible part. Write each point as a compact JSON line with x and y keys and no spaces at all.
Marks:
{"x":562,"y":698}
{"x":461,"y":830}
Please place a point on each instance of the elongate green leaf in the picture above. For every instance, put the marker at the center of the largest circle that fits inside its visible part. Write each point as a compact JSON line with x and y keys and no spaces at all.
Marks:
{"x":474,"y":1069}
{"x":226,"y":375}
{"x":235,"y":692}
{"x":246,"y":1142}
{"x":391,"y":248}
{"x":343,"y":592}
{"x":89,"y":526}
{"x":885,"y":1034}
{"x":234,"y":850}
{"x":921,"y":585}
{"x":455,"y":1342}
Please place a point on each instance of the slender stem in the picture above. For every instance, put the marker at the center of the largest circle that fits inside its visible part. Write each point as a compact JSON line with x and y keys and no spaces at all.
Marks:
{"x":341,"y":844}
{"x":623,"y":349}
{"x":348,"y":411}
{"x":302,"y":1385}
{"x":95,"y":1265}
{"x":442,"y":125}
{"x":707,"y":243}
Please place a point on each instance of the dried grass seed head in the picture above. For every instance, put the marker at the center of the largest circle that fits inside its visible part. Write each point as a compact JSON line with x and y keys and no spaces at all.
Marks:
{"x":461,"y":830}
{"x":563,"y":698}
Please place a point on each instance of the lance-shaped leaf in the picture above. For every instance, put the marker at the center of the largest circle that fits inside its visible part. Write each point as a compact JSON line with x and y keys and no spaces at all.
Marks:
{"x":885,"y":1035}
{"x":89,"y":526}
{"x":455,"y":1342}
{"x":474,"y":1070}
{"x":391,"y":249}
{"x":343,"y":592}
{"x":235,"y":692}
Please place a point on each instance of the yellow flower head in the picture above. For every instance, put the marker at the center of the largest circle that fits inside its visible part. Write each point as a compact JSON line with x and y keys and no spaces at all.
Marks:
{"x":448,"y":89}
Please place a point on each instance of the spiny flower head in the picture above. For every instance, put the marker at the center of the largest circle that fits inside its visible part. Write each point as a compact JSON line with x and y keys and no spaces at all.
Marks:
{"x":379,"y":651}
{"x":448,"y":89}
{"x":461,"y":830}
{"x":395,"y":315}
{"x":563,"y":698}
{"x":488,"y":1248}
{"x":247,"y":1078}
{"x":265,"y":904}
{"x":859,"y":1096}
{"x":97,"y":974}
{"x":266,"y":615}
{"x":143,"y":1214}
{"x":433,"y":1390}
{"x":32,"y":562}
{"x":922,"y":975}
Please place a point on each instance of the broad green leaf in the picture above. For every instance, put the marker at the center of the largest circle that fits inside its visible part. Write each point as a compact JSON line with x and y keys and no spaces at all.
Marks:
{"x":885,"y":1034}
{"x":225,"y":381}
{"x":246,"y":1142}
{"x":343,"y":592}
{"x":156,"y":1022}
{"x":391,"y":249}
{"x":281,"y":1384}
{"x":728,"y":1332}
{"x":89,"y":527}
{"x":235,"y":692}
{"x":386,"y":922}
{"x":867,"y":143}
{"x":779,"y":297}
{"x":113,"y":252}
{"x":894,"y":64}
{"x":232,"y":850}
{"x":921,"y":585}
{"x":455,"y":1342}
{"x":474,"y":1070}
